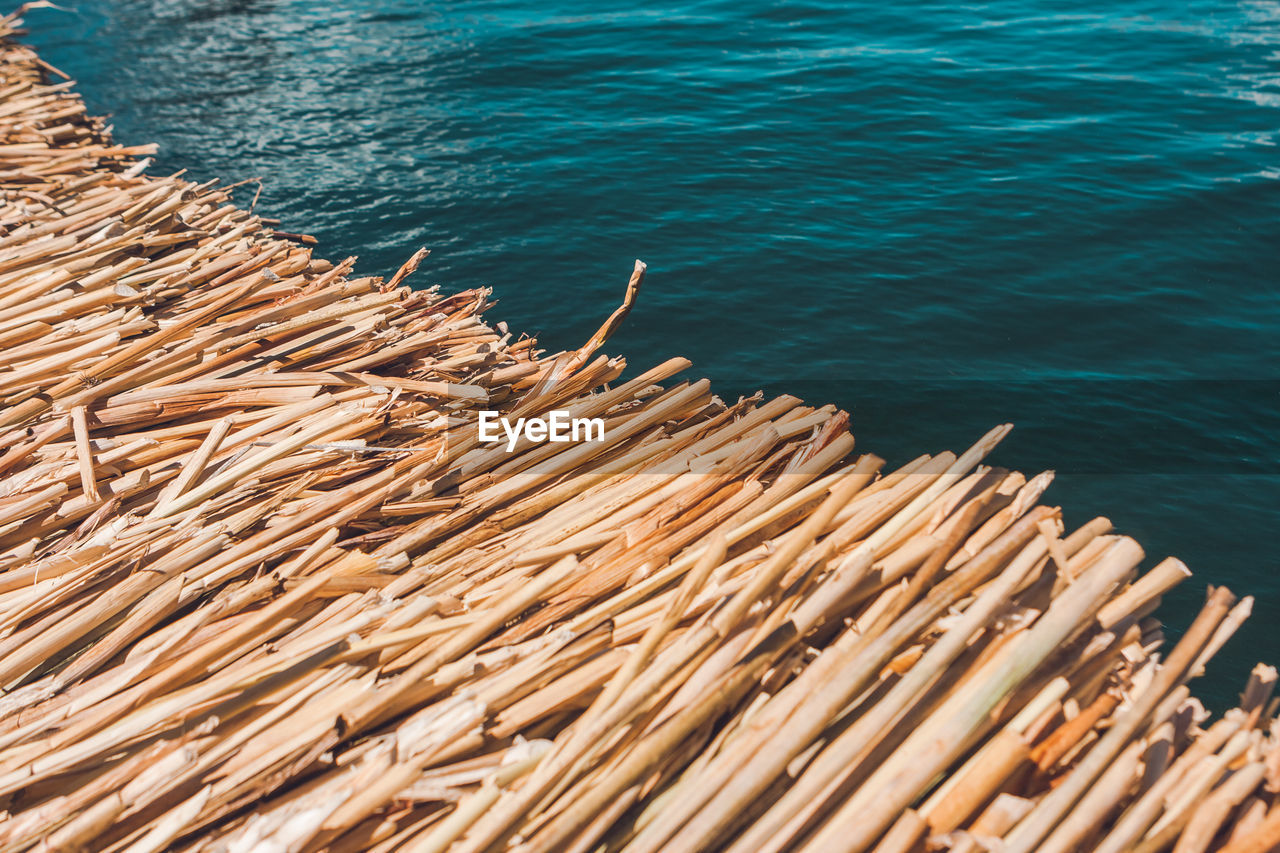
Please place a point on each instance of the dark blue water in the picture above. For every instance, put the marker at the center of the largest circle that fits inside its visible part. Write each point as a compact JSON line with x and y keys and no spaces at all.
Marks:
{"x":939,"y":216}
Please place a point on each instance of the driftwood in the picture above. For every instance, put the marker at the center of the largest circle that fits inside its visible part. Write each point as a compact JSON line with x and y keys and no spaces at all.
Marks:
{"x":264,"y":587}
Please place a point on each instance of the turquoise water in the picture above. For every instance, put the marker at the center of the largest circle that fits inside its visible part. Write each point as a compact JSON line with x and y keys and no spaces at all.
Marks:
{"x":939,"y":216}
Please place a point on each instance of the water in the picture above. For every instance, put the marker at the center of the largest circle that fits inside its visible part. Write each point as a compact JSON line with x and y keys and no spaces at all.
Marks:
{"x":939,"y":216}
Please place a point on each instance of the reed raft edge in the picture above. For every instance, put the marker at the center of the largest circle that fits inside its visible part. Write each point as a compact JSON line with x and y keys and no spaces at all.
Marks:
{"x":264,"y":588}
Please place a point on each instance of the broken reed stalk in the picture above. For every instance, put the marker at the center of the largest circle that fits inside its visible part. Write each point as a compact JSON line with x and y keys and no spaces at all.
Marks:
{"x":263,"y":586}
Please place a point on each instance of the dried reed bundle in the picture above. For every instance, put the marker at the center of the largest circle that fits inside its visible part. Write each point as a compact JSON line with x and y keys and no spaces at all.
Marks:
{"x":263,"y":586}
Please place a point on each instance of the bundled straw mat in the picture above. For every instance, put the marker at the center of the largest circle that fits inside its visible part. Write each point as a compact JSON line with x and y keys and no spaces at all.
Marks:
{"x":263,"y":587}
